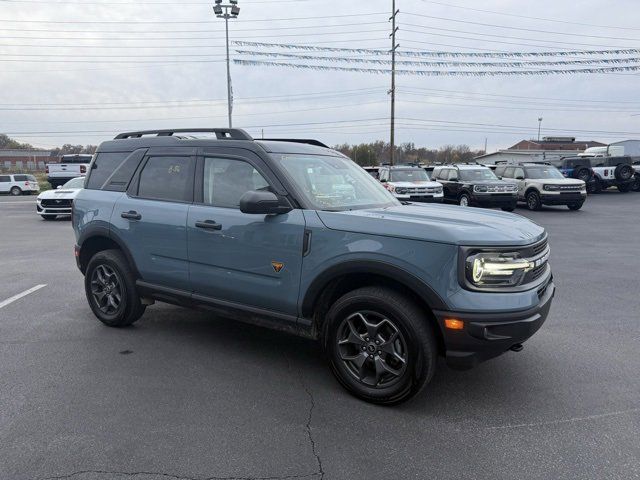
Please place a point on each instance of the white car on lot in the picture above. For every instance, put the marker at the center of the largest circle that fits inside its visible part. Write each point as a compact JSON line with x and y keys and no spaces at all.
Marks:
{"x":18,"y":184}
{"x":410,"y":183}
{"x":52,"y":203}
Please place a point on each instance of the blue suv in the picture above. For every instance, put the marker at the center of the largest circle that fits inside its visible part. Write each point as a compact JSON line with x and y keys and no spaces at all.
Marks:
{"x":293,"y":235}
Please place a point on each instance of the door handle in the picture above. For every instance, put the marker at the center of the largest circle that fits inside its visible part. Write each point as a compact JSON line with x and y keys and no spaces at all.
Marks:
{"x":209,"y":225}
{"x":131,"y":215}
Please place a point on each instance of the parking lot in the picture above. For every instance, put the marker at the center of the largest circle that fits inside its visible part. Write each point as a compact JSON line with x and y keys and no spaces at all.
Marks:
{"x":185,"y":395}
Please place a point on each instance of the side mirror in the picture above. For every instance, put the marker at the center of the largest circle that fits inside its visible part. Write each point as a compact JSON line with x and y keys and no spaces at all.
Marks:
{"x":519,"y":177}
{"x":499,"y":177}
{"x":383,"y":181}
{"x":58,"y":187}
{"x":453,"y":179}
{"x":262,"y":202}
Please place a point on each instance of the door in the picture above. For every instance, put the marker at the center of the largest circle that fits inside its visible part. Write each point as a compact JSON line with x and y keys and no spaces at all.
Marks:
{"x":248,"y":259}
{"x":151,"y":219}
{"x":519,"y":178}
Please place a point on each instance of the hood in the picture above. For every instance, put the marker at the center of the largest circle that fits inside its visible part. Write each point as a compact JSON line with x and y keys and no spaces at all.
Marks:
{"x":560,"y":181}
{"x":421,"y":183}
{"x":438,"y":223}
{"x":60,"y":193}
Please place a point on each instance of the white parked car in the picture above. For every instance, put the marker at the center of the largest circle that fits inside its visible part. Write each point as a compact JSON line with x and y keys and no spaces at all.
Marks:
{"x":411,"y":184}
{"x":52,"y":203}
{"x":18,"y":184}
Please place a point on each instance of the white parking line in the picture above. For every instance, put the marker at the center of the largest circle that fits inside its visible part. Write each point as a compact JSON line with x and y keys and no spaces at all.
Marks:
{"x":20,"y":295}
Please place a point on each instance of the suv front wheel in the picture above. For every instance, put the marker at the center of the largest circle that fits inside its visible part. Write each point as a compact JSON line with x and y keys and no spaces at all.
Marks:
{"x":380,"y":345}
{"x":533,"y":201}
{"x":111,"y":290}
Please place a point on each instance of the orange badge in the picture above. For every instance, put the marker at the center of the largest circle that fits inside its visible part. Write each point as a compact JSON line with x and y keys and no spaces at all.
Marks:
{"x":277,"y":266}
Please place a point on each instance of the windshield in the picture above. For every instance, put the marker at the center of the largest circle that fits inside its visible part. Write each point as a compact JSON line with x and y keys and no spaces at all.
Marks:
{"x":476,"y":174}
{"x":77,"y":182}
{"x":413,"y":175}
{"x":335,"y":183}
{"x":544,"y":172}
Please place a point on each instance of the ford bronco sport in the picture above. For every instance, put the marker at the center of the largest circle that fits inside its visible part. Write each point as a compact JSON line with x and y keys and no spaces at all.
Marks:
{"x":299,"y":238}
{"x":410,"y":184}
{"x":543,"y":184}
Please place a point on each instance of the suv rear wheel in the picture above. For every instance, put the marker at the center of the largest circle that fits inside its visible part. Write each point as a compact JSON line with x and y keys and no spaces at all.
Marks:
{"x":465,"y":200}
{"x":15,"y":191}
{"x":111,"y":290}
{"x":380,"y":345}
{"x":533,"y":201}
{"x":624,"y":187}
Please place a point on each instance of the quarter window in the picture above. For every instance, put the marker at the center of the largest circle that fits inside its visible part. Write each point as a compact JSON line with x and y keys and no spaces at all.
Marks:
{"x":167,"y":178}
{"x":5,"y":178}
{"x":227,"y":180}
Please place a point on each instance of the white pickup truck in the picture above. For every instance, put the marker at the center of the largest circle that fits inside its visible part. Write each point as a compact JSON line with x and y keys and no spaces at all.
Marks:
{"x":70,"y":166}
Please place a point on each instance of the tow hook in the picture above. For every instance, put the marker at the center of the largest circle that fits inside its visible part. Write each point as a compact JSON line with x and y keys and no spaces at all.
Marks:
{"x":517,"y":347}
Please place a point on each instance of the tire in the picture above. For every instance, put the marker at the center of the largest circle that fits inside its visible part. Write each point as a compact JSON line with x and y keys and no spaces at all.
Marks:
{"x":623,"y":172}
{"x":624,"y":188}
{"x":533,"y":201}
{"x":575,"y":206}
{"x":510,"y":208}
{"x":49,"y":217}
{"x":597,"y":186}
{"x":582,"y":173}
{"x":377,"y":376}
{"x":635,"y":185}
{"x":108,"y":272}
{"x":464,"y":200}
{"x":15,"y":191}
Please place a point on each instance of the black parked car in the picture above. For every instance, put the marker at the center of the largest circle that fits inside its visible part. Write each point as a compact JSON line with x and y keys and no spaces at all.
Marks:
{"x":475,"y":185}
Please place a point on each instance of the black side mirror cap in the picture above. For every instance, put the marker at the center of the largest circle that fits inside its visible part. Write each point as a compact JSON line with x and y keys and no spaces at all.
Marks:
{"x":262,"y":202}
{"x":454,"y":179}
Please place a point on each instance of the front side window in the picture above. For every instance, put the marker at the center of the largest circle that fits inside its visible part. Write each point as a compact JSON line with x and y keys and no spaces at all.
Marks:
{"x":413,"y":175}
{"x":227,"y":180}
{"x":334,"y":183}
{"x":167,"y":178}
{"x":477,"y":174}
{"x":519,"y":173}
{"x":508,"y":172}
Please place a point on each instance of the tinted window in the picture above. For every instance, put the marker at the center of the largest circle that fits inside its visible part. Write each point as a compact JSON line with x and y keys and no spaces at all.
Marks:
{"x":20,"y":178}
{"x":5,"y":178}
{"x":167,"y":178}
{"x":508,"y":172}
{"x":31,"y":178}
{"x":75,"y":159}
{"x":102,"y":168}
{"x":500,"y":171}
{"x":226,"y":180}
{"x":544,"y":172}
{"x":519,"y":173}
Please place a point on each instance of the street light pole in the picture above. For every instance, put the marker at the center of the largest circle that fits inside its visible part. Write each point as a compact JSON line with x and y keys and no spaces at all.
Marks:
{"x":394,"y":29}
{"x":539,"y":126}
{"x":230,"y":11}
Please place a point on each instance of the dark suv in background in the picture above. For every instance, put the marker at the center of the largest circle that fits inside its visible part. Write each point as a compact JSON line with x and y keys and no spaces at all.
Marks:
{"x":475,"y":185}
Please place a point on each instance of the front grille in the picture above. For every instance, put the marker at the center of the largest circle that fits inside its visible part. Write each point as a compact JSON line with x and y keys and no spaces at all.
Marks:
{"x":57,"y":203}
{"x":540,"y":247}
{"x":570,"y":188}
{"x":501,"y":189}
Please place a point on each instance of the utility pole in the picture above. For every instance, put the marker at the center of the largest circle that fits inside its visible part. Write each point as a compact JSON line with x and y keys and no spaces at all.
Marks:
{"x":394,"y":29}
{"x":232,"y":10}
{"x":539,"y":126}
{"x":485,"y":145}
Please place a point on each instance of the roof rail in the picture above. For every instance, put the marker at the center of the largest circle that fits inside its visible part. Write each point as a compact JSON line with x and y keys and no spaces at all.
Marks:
{"x":221,"y":133}
{"x":308,"y":141}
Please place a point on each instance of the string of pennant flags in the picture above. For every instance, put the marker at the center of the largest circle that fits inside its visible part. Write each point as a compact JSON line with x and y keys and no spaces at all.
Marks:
{"x":378,"y":61}
{"x":439,"y":73}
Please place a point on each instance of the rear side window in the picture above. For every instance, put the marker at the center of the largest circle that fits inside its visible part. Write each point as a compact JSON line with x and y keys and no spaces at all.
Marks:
{"x":5,"y":178}
{"x":167,"y":178}
{"x":103,"y":166}
{"x":20,"y":178}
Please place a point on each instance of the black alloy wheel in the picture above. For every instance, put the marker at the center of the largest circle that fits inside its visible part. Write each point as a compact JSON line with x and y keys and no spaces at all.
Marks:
{"x":106,"y":289}
{"x":533,"y":201}
{"x":372,"y":349}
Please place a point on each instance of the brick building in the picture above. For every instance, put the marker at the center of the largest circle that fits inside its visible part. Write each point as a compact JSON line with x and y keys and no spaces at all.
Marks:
{"x":25,"y":160}
{"x":556,"y":143}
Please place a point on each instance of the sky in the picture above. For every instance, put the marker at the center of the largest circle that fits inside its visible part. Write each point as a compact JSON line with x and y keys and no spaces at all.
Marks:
{"x":82,"y":71}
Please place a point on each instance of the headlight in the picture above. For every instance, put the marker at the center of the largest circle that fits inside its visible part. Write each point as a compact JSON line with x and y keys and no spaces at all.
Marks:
{"x":401,"y":191}
{"x":480,"y":188}
{"x":551,"y":188}
{"x":439,"y":190}
{"x":495,"y":269}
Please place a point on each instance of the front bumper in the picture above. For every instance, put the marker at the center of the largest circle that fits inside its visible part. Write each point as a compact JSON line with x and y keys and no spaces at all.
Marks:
{"x":488,"y":335}
{"x":52,"y":211}
{"x":562,"y":198}
{"x":494,"y":200}
{"x":425,"y":198}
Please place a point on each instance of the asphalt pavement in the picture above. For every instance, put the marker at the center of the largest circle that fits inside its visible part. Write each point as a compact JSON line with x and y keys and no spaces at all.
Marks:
{"x":186,"y":395}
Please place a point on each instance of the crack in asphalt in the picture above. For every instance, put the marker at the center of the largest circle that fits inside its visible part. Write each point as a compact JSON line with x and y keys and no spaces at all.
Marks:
{"x":172,"y":476}
{"x":312,"y":406}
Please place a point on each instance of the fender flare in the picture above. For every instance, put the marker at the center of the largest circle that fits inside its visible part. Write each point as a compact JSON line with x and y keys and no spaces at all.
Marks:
{"x":102,"y":231}
{"x":376,"y":267}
